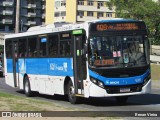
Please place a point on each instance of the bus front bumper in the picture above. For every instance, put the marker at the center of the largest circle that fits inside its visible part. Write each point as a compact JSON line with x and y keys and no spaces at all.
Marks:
{"x":96,"y":91}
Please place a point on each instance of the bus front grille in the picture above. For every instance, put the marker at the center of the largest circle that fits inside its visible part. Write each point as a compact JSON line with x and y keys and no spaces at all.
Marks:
{"x":117,"y":89}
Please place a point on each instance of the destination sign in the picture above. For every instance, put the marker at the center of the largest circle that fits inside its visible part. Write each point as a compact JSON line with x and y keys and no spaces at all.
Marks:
{"x":120,"y":26}
{"x":116,"y":26}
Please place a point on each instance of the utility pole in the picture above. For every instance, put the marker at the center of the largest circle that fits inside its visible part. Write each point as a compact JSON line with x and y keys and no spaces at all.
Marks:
{"x":17,"y":16}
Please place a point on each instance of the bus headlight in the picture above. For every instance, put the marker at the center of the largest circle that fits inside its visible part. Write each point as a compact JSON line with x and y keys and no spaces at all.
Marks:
{"x":100,"y":84}
{"x":93,"y":80}
{"x":97,"y":82}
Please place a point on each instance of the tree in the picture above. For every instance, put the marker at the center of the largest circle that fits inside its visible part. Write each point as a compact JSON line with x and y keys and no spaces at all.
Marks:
{"x":146,"y":10}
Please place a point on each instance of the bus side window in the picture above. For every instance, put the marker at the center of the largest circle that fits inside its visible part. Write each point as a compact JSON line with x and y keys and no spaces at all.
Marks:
{"x":32,"y":47}
{"x":65,"y":48}
{"x":43,"y":43}
{"x":22,"y":48}
{"x":8,"y":48}
{"x":53,"y":45}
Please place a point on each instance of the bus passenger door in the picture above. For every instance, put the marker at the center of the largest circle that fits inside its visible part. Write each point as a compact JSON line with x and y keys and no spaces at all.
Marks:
{"x":15,"y":63}
{"x":79,"y":59}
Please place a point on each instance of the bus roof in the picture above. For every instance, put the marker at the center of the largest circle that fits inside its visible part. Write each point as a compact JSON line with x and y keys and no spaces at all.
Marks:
{"x":57,"y":27}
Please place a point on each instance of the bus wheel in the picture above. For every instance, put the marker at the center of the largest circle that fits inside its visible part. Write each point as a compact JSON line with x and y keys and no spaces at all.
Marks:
{"x":121,"y":99}
{"x":27,"y":88}
{"x":71,"y":93}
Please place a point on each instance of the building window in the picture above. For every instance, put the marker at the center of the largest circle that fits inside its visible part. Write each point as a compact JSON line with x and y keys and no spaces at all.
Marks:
{"x":57,"y":14}
{"x":100,"y":14}
{"x":90,"y":3}
{"x":80,"y":13}
{"x":108,"y":14}
{"x":57,"y":4}
{"x":89,"y":13}
{"x":80,"y":2}
{"x":63,"y":3}
{"x":100,"y":4}
{"x":63,"y":13}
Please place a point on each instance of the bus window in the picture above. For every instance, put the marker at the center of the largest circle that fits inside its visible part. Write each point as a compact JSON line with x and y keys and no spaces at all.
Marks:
{"x":8,"y":48}
{"x":43,"y":43}
{"x":22,"y":48}
{"x":53,"y":45}
{"x":65,"y":48}
{"x":32,"y":47}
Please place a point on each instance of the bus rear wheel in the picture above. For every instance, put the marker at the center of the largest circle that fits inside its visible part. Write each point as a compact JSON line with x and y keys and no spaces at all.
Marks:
{"x":27,"y":88}
{"x":122,"y":99}
{"x":71,"y":93}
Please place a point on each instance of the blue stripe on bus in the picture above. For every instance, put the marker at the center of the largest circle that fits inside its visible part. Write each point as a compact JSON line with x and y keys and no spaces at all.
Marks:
{"x":120,"y":81}
{"x":43,"y":66}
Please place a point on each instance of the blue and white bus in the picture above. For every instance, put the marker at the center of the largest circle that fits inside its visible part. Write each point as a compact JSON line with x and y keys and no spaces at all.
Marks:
{"x":100,"y":58}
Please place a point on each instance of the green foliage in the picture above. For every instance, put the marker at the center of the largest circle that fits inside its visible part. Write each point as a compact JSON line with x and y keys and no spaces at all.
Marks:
{"x":146,"y":10}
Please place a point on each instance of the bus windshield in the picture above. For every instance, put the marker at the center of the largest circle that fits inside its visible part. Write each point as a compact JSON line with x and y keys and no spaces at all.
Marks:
{"x":117,"y":51}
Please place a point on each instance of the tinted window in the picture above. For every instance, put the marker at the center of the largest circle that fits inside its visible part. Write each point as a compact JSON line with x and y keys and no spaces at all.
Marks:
{"x":8,"y":48}
{"x":65,"y":48}
{"x":32,"y":47}
{"x":53,"y":45}
{"x":43,"y":43}
{"x":22,"y":48}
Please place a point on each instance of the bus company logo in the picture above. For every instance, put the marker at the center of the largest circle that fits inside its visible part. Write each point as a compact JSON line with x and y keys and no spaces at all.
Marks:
{"x":53,"y":66}
{"x":65,"y":66}
{"x":114,"y":82}
{"x":107,"y":82}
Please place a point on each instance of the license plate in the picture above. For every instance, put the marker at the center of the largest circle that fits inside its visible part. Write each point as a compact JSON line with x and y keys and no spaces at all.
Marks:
{"x":122,"y":90}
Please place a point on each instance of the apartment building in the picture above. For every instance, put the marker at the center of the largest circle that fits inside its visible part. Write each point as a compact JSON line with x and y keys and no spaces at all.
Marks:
{"x":77,"y":10}
{"x":7,"y":17}
{"x":32,"y":13}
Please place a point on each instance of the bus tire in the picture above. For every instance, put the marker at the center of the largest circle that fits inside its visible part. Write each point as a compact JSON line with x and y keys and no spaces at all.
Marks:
{"x":71,"y":93}
{"x":27,"y":88}
{"x":122,"y":99}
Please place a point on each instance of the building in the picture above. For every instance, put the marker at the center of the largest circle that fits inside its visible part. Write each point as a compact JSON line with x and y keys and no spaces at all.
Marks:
{"x":77,"y":10}
{"x":31,"y":14}
{"x":1,"y":39}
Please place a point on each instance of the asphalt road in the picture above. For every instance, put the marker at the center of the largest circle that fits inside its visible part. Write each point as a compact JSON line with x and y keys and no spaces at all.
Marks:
{"x":148,"y":102}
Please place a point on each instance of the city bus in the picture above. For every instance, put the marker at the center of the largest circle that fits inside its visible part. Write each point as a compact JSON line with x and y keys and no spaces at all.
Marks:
{"x":93,"y":59}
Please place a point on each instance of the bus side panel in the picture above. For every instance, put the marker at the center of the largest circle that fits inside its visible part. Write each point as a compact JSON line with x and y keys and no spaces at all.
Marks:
{"x":22,"y":71}
{"x":46,"y":75}
{"x":9,"y":72}
{"x":58,"y":69}
{"x":42,"y":80}
{"x":37,"y":73}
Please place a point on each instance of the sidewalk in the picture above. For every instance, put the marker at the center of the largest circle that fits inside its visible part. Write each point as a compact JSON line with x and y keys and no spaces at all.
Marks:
{"x":156,"y":84}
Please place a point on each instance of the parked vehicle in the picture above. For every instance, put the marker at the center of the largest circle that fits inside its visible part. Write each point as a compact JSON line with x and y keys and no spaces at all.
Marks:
{"x":1,"y":71}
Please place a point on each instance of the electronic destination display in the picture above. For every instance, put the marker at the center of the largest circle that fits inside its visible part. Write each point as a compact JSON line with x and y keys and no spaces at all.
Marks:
{"x":99,"y":27}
